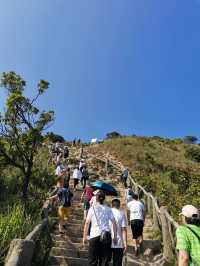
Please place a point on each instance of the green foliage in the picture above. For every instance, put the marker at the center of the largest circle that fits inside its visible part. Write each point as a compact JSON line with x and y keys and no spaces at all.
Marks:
{"x":13,"y":225}
{"x":193,"y":153}
{"x":21,"y":126}
{"x":162,"y":166}
{"x":52,"y":137}
{"x":112,"y":135}
{"x":190,"y":139}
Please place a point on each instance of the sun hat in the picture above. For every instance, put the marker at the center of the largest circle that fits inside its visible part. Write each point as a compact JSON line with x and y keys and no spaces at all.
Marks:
{"x":189,"y":211}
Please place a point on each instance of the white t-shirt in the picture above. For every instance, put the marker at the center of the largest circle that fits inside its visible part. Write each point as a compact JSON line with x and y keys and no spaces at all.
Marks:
{"x":136,"y":210}
{"x":77,"y":174}
{"x":104,"y":215}
{"x":58,"y":170}
{"x":120,"y":219}
{"x":128,"y":196}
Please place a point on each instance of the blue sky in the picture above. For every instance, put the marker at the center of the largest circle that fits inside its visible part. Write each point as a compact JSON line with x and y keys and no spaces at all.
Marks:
{"x":131,"y":66}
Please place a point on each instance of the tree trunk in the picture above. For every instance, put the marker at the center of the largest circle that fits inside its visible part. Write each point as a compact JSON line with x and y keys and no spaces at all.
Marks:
{"x":27,"y":175}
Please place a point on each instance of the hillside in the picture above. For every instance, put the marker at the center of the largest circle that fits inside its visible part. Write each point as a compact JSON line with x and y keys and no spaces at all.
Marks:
{"x":170,"y":169}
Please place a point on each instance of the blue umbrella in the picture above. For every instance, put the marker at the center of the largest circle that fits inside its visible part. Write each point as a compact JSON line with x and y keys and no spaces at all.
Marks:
{"x":109,"y":190}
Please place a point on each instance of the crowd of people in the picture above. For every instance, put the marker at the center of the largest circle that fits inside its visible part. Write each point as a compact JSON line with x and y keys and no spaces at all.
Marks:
{"x":105,"y":227}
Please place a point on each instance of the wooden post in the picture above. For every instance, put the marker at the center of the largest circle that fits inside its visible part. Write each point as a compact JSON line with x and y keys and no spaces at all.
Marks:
{"x":148,"y":205}
{"x":81,"y":152}
{"x":155,"y":217}
{"x":136,"y":188}
{"x":167,"y":244}
{"x":106,"y":166}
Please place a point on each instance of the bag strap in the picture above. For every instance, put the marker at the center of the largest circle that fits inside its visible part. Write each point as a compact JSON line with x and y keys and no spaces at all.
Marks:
{"x":198,"y":237}
{"x":96,"y":217}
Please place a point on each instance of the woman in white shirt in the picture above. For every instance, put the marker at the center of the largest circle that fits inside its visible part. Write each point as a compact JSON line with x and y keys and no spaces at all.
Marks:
{"x":99,"y":216}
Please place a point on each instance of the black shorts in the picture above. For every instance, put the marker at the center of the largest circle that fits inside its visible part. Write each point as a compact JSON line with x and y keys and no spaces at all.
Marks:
{"x":137,"y":228}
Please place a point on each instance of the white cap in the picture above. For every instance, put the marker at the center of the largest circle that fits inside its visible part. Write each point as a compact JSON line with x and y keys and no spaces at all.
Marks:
{"x":189,"y":210}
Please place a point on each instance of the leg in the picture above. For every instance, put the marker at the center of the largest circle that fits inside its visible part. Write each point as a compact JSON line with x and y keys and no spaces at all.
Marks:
{"x":117,"y":256}
{"x":106,"y":252}
{"x":93,"y":252}
{"x":84,"y":182}
{"x":61,"y":220}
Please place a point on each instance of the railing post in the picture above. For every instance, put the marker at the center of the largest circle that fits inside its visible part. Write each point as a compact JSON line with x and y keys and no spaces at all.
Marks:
{"x":106,"y":166}
{"x":149,"y":205}
{"x":167,"y":244}
{"x":81,"y":152}
{"x":155,"y":217}
{"x":20,"y":253}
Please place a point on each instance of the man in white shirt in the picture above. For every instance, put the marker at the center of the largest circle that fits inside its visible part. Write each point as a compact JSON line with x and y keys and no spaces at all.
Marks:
{"x":120,"y":247}
{"x":137,"y":220}
{"x":77,"y":175}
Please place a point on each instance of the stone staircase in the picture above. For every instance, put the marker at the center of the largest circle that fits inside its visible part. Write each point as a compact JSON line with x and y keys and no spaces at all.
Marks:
{"x":67,"y":248}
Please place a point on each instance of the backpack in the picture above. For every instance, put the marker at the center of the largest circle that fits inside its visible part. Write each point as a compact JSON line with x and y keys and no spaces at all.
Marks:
{"x":65,"y":196}
{"x":66,"y":153}
{"x":85,"y":173}
{"x":130,"y":193}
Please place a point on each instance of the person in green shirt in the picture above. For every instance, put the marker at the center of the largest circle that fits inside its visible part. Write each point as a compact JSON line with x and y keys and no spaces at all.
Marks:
{"x":188,"y":237}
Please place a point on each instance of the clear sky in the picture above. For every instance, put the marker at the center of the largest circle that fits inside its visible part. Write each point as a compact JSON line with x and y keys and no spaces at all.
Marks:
{"x":127,"y":65}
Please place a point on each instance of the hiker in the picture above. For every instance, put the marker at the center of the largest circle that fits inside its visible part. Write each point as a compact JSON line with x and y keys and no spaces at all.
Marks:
{"x":124,"y":177}
{"x":119,"y":248}
{"x":137,"y":216}
{"x":63,"y":196}
{"x":77,"y":175}
{"x":128,"y":194}
{"x":188,"y":237}
{"x":67,"y":176}
{"x":66,"y":152}
{"x":100,"y":235}
{"x":85,"y":176}
{"x":82,"y":164}
{"x":74,"y":142}
{"x":65,"y":173}
{"x":93,"y":200}
{"x":86,"y":197}
{"x":58,"y":168}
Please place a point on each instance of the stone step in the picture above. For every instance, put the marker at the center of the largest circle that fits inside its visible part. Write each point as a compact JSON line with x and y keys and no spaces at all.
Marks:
{"x":74,"y":253}
{"x":69,"y":245}
{"x":68,"y":261}
{"x":71,"y":233}
{"x":63,"y":237}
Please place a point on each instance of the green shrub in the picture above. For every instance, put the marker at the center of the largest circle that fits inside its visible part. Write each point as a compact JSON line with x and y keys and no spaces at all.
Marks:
{"x":13,"y":224}
{"x":193,"y":153}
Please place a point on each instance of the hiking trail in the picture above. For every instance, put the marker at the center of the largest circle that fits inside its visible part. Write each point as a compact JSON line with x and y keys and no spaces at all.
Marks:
{"x":67,"y":249}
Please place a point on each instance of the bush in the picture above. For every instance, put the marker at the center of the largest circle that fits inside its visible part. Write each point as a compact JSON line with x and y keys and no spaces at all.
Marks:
{"x":13,"y":224}
{"x":193,"y":153}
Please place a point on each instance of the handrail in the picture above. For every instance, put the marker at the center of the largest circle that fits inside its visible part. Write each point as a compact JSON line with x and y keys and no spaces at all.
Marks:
{"x":21,"y":250}
{"x":162,"y":220}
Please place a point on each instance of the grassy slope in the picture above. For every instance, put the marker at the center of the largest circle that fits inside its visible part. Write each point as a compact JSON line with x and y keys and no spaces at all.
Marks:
{"x":12,"y":221}
{"x":159,"y":165}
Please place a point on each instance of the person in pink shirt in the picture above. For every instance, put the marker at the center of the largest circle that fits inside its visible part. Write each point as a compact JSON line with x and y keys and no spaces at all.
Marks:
{"x":86,"y":197}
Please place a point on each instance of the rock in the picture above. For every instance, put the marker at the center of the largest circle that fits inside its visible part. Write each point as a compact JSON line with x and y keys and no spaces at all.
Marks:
{"x":148,"y":252}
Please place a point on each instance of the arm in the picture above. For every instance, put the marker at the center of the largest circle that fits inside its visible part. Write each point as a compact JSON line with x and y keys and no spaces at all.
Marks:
{"x":124,"y":235}
{"x":85,"y":231}
{"x":183,"y":258}
{"x":82,"y":195}
{"x":114,"y":230}
{"x":53,"y":197}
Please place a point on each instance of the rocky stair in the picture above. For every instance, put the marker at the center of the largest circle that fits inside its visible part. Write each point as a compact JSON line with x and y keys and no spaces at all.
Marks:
{"x":67,"y":248}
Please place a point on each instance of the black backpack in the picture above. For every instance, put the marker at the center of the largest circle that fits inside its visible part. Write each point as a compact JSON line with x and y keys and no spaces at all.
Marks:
{"x":65,"y":196}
